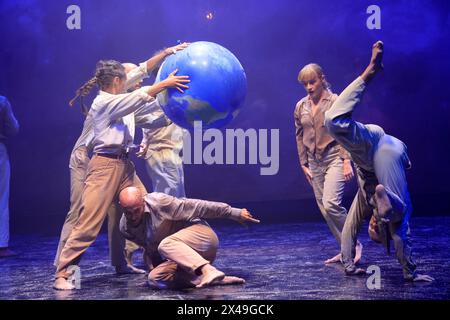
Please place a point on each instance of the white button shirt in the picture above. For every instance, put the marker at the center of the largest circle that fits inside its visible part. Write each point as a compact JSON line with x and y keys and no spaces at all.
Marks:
{"x":87,"y":135}
{"x":113,"y":119}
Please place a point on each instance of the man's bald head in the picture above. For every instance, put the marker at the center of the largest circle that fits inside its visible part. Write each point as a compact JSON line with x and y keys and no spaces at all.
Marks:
{"x":129,"y":66}
{"x":132,"y":201}
{"x":130,"y":197}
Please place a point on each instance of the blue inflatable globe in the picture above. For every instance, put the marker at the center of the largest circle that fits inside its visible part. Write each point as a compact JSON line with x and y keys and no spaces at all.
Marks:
{"x":217,"y":89}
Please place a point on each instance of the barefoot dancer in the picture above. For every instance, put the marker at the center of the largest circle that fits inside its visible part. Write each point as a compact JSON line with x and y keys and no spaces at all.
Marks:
{"x":109,"y":170}
{"x":326,"y":165}
{"x":381,"y":161}
{"x":79,"y":160}
{"x":180,"y":246}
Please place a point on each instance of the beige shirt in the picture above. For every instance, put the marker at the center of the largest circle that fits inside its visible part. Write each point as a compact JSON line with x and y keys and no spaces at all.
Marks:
{"x":158,"y":138}
{"x":113,"y":119}
{"x":310,"y":131}
{"x":164,"y":215}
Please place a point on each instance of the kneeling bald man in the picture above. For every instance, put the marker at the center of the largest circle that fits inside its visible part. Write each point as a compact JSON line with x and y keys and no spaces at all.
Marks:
{"x":179,"y":244}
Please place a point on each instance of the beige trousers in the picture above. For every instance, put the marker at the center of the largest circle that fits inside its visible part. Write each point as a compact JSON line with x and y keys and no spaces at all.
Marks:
{"x":105,"y":178}
{"x":185,"y":251}
{"x":78,"y":165}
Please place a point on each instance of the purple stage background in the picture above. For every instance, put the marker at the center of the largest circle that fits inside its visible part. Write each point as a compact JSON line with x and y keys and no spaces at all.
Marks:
{"x":42,"y":63}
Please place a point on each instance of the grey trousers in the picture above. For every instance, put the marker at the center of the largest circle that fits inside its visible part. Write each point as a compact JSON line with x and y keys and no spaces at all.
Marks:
{"x":78,"y":165}
{"x":328,"y":184}
{"x":165,"y":168}
{"x":380,"y":159}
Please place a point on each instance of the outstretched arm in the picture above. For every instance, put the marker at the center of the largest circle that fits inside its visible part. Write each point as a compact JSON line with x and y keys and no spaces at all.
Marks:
{"x":138,"y":74}
{"x":159,"y":57}
{"x":187,"y":209}
{"x":120,"y":105}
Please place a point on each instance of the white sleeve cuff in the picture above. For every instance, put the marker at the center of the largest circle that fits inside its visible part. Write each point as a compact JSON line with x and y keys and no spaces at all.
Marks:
{"x":235,"y":212}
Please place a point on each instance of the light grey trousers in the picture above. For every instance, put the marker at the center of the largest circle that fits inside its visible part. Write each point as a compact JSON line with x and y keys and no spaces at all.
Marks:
{"x":380,"y":159}
{"x":165,"y":168}
{"x":328,"y":184}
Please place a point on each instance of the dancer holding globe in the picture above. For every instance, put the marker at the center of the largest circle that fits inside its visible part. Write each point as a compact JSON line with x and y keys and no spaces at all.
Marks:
{"x":80,"y":156}
{"x":218,"y":91}
{"x":110,"y":169}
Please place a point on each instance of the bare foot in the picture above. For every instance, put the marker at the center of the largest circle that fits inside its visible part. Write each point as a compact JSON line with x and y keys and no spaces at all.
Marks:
{"x":423,"y":278}
{"x":377,"y":55}
{"x":375,"y":63}
{"x":63,"y":284}
{"x":6,"y":252}
{"x":335,"y":259}
{"x":384,"y":205}
{"x":228,"y":280}
{"x":209,"y":275}
{"x":129,"y":269}
{"x":358,"y":252}
{"x":353,"y":271}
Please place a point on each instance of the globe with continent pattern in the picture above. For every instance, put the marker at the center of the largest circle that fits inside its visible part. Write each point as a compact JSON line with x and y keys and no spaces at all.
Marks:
{"x":217,"y":89}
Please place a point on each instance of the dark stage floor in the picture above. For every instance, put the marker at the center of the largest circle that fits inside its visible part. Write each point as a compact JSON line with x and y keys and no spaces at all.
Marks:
{"x":283,"y":261}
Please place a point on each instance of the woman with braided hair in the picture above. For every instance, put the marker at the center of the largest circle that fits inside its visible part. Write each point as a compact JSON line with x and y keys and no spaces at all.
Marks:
{"x":78,"y":165}
{"x":79,"y":160}
{"x":108,"y":131}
